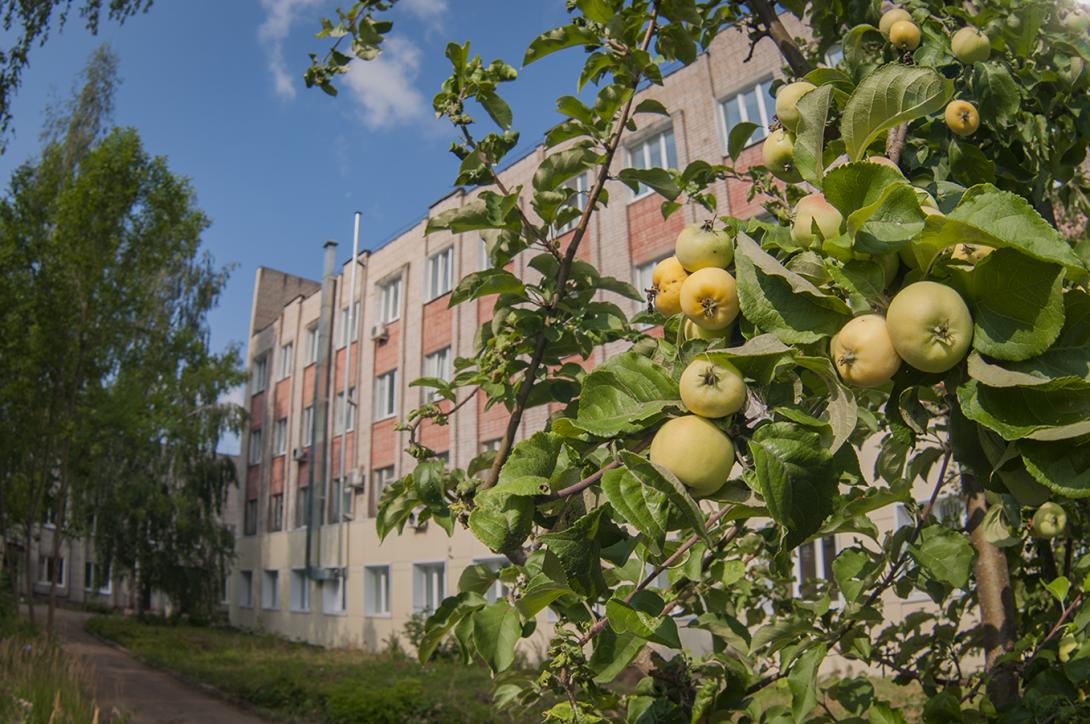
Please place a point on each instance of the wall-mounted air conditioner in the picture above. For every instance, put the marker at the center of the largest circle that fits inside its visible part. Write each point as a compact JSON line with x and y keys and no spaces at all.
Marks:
{"x":379,"y":333}
{"x":299,"y":454}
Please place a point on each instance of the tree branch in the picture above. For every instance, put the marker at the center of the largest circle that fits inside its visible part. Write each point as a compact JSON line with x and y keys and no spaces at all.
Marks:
{"x":895,"y":142}
{"x":587,"y":481}
{"x":789,"y":49}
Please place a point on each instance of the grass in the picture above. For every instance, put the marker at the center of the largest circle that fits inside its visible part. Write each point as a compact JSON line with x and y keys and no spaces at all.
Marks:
{"x":298,"y":681}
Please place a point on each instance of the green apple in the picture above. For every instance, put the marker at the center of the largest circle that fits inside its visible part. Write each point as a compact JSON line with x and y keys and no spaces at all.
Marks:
{"x":890,"y":17}
{"x":787,"y":100}
{"x":930,"y":326}
{"x":697,"y":452}
{"x":813,"y":210}
{"x":699,"y":246}
{"x":712,"y":389}
{"x":904,"y":35}
{"x":778,"y":153}
{"x":1049,"y":521}
{"x":971,"y":46}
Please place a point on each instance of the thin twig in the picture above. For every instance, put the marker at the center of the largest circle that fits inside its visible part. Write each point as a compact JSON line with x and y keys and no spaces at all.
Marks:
{"x":587,"y":481}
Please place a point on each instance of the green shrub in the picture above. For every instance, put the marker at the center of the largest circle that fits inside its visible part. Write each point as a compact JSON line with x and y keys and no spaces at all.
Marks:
{"x":352,"y":702}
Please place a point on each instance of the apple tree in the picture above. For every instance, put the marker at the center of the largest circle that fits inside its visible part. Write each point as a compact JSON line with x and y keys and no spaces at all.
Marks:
{"x":910,"y":298}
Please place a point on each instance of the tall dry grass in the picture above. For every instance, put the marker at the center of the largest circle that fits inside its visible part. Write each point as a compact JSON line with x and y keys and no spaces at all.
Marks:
{"x":40,"y":684}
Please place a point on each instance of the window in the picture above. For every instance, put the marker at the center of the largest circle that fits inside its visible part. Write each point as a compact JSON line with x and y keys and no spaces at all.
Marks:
{"x":834,"y":55}
{"x":339,"y":412}
{"x":380,"y":479}
{"x":655,"y":152}
{"x":814,"y":563}
{"x":97,"y":580}
{"x":245,"y":589}
{"x":334,"y":594}
{"x":255,"y":446}
{"x":333,"y":513}
{"x":428,"y":586}
{"x":497,"y":590}
{"x":349,"y":325}
{"x":259,"y":374}
{"x":486,"y":260}
{"x":376,"y":591}
{"x":300,"y":507}
{"x":491,"y":445}
{"x":641,"y":275}
{"x":249,"y":523}
{"x":578,"y":202}
{"x":280,"y":436}
{"x":438,"y":365}
{"x":386,"y":395}
{"x":287,"y":360}
{"x":389,"y":308}
{"x":754,"y":104}
{"x":300,"y":590}
{"x":439,"y":272}
{"x":270,"y":596}
{"x":306,"y":435}
{"x":225,"y":582}
{"x":51,"y":570}
{"x":312,"y":344}
{"x":276,"y":512}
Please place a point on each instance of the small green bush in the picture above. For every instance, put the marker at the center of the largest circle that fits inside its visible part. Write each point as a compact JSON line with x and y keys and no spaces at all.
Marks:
{"x":351,"y":702}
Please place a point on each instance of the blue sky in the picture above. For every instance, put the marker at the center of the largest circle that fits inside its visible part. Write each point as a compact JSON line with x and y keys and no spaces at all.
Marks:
{"x":216,"y":87}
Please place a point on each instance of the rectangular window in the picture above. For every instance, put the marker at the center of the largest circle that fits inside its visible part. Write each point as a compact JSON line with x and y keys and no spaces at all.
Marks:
{"x":51,"y":570}
{"x":225,"y":582}
{"x":259,"y":374}
{"x":333,"y":512}
{"x":97,"y":580}
{"x":312,"y":343}
{"x":380,"y":479}
{"x":245,"y":589}
{"x":497,"y":590}
{"x":270,"y":595}
{"x":437,"y":364}
{"x":255,"y":446}
{"x":339,"y":412}
{"x":491,"y":445}
{"x":578,"y":201}
{"x":300,"y":590}
{"x":485,"y":260}
{"x":276,"y":512}
{"x":280,"y":436}
{"x":249,"y":523}
{"x":754,"y":105}
{"x":439,"y":270}
{"x":300,"y":507}
{"x":306,"y":434}
{"x":386,"y":395}
{"x":376,"y":593}
{"x":335,"y":594}
{"x":658,"y":151}
{"x":348,"y":325}
{"x":428,"y":586}
{"x":814,"y":563}
{"x":287,"y":360}
{"x":389,"y":308}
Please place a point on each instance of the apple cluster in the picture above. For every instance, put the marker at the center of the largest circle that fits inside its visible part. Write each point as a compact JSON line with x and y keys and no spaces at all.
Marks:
{"x":695,"y":282}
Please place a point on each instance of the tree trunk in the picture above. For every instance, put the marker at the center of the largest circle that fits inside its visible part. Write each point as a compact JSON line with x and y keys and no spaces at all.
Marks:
{"x":998,"y":615}
{"x":28,"y":576}
{"x":789,"y":49}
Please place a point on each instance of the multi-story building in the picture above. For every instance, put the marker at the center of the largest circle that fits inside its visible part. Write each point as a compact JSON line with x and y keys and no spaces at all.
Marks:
{"x":361,"y":591}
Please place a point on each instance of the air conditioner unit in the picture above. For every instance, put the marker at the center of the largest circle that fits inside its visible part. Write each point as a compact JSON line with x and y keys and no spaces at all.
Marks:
{"x":356,"y":479}
{"x":414,"y":522}
{"x":379,"y":333}
{"x":299,"y":454}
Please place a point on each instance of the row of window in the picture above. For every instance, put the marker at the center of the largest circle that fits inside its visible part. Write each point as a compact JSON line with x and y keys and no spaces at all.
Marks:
{"x":95,"y":580}
{"x":428,"y":589}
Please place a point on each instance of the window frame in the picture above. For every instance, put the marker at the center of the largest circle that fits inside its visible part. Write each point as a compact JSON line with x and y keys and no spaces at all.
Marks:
{"x":386,"y":593}
{"x":389,"y":312}
{"x":300,"y":604}
{"x":644,"y":144}
{"x":422,"y":571}
{"x":300,"y":511}
{"x":578,"y":200}
{"x":433,"y":285}
{"x":430,"y":394}
{"x":276,"y":512}
{"x":249,"y":517}
{"x":313,"y":343}
{"x":280,"y":437}
{"x":259,"y":374}
{"x":386,"y":383}
{"x":340,"y":596}
{"x":273,"y":575}
{"x":306,"y":431}
{"x":246,"y":581}
{"x":821,"y":567}
{"x":287,"y":360}
{"x":766,"y":104}
{"x":253,"y":451}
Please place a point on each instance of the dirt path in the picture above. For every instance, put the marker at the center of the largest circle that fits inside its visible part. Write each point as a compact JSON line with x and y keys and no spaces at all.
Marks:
{"x":145,"y":694}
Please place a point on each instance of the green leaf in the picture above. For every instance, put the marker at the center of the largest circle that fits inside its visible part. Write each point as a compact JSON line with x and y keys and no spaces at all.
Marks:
{"x":533,"y":465}
{"x":810,"y":136}
{"x":1067,"y":362}
{"x":558,"y":168}
{"x":658,"y":179}
{"x":539,"y":595}
{"x":450,"y":612}
{"x":891,"y":95}
{"x":497,"y":109}
{"x":483,"y":283}
{"x":889,"y":223}
{"x":650,"y":105}
{"x":489,"y":211}
{"x":995,"y":92}
{"x":854,"y":186}
{"x":944,"y":554}
{"x":802,"y":681}
{"x":853,"y":569}
{"x":841,"y":411}
{"x":500,"y":520}
{"x":739,"y":137}
{"x":665,"y":482}
{"x":566,"y":36}
{"x":624,"y":395}
{"x":1062,"y":467}
{"x":597,"y":10}
{"x":1027,"y":412}
{"x":1018,"y":308}
{"x":578,"y":548}
{"x":795,"y":477}
{"x":643,"y":617}
{"x":496,"y":631}
{"x":781,"y":302}
{"x":1059,"y":588}
{"x":759,"y":358}
{"x":640,"y":505}
{"x":477,"y":578}
{"x":612,"y":654}
{"x":883,"y":713}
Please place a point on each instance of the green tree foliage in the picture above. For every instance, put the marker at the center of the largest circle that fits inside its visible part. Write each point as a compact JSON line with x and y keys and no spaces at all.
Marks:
{"x":111,"y":392}
{"x":615,"y":544}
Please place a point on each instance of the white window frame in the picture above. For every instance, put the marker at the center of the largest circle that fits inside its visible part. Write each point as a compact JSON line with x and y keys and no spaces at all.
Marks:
{"x":766,"y":106}
{"x":338,"y":412}
{"x":439,"y":273}
{"x":429,"y":585}
{"x":300,"y":590}
{"x":306,"y":431}
{"x":389,"y":294}
{"x":385,"y":395}
{"x":335,"y":595}
{"x":259,"y":373}
{"x":820,"y":565}
{"x":278,"y":524}
{"x":280,"y":437}
{"x":89,"y":580}
{"x":312,"y":343}
{"x":287,"y":359}
{"x":348,"y":324}
{"x":492,"y":445}
{"x":439,"y":364}
{"x":484,"y":262}
{"x":253,"y":452}
{"x":245,"y":590}
{"x":44,"y":574}
{"x":270,"y":589}
{"x":380,"y":478}
{"x":643,"y":148}
{"x":578,"y":200}
{"x":376,"y":590}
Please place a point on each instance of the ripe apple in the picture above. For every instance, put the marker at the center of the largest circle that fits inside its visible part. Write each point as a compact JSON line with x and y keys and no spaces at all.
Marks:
{"x":689,"y":330}
{"x":787,"y":100}
{"x":814,"y":209}
{"x":697,"y":452}
{"x":1049,"y":521}
{"x":890,"y":17}
{"x":712,"y":389}
{"x":863,"y":352}
{"x":930,"y":326}
{"x":971,"y":46}
{"x":778,"y":153}
{"x":883,"y":161}
{"x":709,"y":297}
{"x":904,"y":35}
{"x":666,"y":280}
{"x":970,"y":253}
{"x":699,"y":246}
{"x":962,"y":117}
{"x":1066,"y":647}
{"x":1077,"y":22}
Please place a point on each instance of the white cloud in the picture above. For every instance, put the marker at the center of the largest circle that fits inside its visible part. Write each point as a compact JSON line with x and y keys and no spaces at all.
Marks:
{"x":384,"y":87}
{"x":280,"y":15}
{"x":429,"y":11}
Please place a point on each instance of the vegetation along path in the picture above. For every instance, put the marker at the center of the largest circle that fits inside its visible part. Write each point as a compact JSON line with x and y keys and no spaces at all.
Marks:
{"x":131,"y":687}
